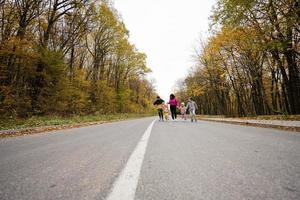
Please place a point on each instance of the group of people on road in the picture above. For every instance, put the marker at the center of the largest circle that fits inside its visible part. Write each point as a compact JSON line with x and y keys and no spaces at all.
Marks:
{"x":163,"y":108}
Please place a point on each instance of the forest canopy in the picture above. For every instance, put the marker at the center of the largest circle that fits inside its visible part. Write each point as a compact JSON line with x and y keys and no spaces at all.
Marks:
{"x":69,"y":57}
{"x":250,"y":63}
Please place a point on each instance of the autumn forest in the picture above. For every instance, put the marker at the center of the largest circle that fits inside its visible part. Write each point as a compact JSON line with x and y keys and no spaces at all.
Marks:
{"x":250,"y":65}
{"x":69,"y":57}
{"x":74,"y":57}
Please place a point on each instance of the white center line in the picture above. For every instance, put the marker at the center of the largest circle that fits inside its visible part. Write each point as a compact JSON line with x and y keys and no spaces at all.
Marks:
{"x":125,"y":186}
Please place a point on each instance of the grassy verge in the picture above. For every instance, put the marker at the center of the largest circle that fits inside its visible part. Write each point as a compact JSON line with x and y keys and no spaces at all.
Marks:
{"x":33,"y":122}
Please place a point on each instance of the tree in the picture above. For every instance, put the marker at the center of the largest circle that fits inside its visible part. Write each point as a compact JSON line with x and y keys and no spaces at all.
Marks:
{"x":277,"y":23}
{"x":68,"y":57}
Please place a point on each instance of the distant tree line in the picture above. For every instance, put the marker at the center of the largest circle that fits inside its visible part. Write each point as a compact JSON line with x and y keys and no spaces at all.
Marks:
{"x":68,"y":57}
{"x":250,"y":64}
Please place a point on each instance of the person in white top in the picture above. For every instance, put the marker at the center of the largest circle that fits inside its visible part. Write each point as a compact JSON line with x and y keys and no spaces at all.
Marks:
{"x":191,"y":108}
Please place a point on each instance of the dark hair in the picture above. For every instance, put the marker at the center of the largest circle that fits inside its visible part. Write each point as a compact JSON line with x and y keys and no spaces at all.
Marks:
{"x":172,"y":96}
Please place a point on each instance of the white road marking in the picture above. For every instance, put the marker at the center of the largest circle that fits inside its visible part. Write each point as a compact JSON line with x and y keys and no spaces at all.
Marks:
{"x":125,"y":186}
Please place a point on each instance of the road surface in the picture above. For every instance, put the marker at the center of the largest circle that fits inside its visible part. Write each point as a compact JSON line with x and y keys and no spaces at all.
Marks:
{"x":169,"y":160}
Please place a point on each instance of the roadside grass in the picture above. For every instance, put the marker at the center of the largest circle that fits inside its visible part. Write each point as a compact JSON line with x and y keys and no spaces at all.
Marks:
{"x":260,"y":117}
{"x":41,"y":121}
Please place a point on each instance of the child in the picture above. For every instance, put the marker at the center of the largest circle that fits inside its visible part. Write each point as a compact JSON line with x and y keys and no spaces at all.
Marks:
{"x":166,"y":111}
{"x":159,"y":105}
{"x":192,"y":107}
{"x":182,"y":109}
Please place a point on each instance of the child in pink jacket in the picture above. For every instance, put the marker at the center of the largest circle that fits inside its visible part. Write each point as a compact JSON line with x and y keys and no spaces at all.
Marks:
{"x":182,"y":109}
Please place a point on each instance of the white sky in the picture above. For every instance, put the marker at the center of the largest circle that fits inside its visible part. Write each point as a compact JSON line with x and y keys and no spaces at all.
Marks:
{"x":167,"y":31}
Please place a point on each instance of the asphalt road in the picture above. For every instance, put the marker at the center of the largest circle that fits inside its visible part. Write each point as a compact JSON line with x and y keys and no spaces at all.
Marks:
{"x":182,"y":160}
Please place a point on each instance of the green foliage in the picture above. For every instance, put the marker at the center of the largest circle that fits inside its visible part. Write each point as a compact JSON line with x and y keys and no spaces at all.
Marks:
{"x":53,"y":82}
{"x":123,"y":101}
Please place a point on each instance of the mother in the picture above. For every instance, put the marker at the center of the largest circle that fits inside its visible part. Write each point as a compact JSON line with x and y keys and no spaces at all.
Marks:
{"x":173,"y":105}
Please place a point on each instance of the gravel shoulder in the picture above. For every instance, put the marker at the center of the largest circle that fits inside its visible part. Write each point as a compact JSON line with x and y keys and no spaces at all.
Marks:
{"x":289,"y":125}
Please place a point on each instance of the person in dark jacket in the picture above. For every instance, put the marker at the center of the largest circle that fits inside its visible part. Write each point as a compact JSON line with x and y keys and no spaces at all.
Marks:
{"x":159,"y":105}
